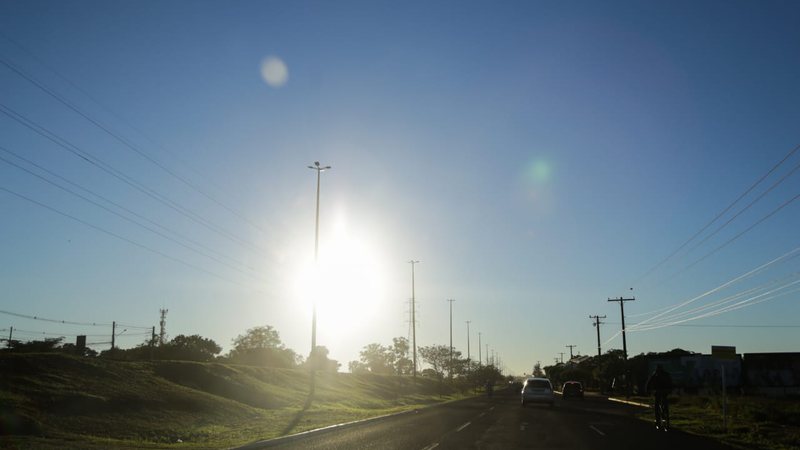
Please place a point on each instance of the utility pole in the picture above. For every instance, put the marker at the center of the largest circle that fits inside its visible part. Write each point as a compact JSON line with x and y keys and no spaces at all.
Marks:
{"x":113,"y":333}
{"x":319,"y":170}
{"x":480,"y":359}
{"x":562,"y":357}
{"x":10,"y":335}
{"x":597,"y":324}
{"x":152,"y":341}
{"x":162,"y":335}
{"x":467,"y":322}
{"x":451,"y":300}
{"x":487,"y":354}
{"x":622,"y":313}
{"x":570,"y":350}
{"x":413,"y":319}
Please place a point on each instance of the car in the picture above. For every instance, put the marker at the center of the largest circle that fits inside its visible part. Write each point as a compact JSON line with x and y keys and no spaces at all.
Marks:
{"x":537,"y":390}
{"x":572,"y":389}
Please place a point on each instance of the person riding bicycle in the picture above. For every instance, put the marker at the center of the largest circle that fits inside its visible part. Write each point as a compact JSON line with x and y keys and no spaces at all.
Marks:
{"x":660,"y":383}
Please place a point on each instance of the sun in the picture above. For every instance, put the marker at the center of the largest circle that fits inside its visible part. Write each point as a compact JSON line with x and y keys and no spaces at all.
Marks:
{"x":347,"y":283}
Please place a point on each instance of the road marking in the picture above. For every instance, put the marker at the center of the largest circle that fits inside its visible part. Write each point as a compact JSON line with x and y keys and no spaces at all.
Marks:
{"x":598,"y":431}
{"x":491,"y":409}
{"x":627,"y":402}
{"x":432,"y":446}
{"x":463,"y":426}
{"x":482,"y":414}
{"x":523,"y":426}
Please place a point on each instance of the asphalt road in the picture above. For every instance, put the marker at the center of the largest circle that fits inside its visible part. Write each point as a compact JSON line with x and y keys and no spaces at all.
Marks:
{"x":592,"y":423}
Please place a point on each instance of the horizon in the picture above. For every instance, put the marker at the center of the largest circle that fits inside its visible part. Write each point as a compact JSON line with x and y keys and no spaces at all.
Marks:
{"x":538,"y":160}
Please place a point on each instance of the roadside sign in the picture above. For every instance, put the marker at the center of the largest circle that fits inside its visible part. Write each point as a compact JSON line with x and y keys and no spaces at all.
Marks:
{"x":723,"y":352}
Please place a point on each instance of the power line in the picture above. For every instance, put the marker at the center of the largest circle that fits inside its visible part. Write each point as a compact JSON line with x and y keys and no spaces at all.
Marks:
{"x":720,"y":214}
{"x":107,"y":168}
{"x":123,"y":141}
{"x":737,"y":236}
{"x":788,"y":255}
{"x":67,"y":322}
{"x":65,"y":189}
{"x":757,"y":291}
{"x":122,"y":238}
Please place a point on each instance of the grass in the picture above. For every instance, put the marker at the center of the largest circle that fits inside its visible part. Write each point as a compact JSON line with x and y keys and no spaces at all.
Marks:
{"x":753,"y":422}
{"x":58,"y":401}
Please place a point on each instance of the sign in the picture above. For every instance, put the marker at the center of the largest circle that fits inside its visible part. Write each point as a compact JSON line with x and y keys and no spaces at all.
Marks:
{"x":723,"y":352}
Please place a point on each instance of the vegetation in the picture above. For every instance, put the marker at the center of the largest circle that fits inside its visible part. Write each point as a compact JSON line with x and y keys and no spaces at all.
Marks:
{"x":55,"y":400}
{"x":753,"y":422}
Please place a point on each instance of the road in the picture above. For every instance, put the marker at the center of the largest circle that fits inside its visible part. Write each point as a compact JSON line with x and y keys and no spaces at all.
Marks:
{"x":592,"y":423}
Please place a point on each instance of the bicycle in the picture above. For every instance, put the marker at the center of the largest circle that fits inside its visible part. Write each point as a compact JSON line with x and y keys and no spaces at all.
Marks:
{"x":661,"y":408}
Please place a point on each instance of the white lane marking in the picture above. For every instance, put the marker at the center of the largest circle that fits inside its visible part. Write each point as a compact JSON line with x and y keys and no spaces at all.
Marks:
{"x":463,"y":426}
{"x":432,"y":446}
{"x":598,"y":431}
{"x":491,"y":409}
{"x":482,"y":414}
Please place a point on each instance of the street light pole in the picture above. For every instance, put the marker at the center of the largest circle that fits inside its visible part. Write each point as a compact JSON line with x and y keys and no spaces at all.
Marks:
{"x":480,"y":358}
{"x":451,"y":332}
{"x":468,"y":355}
{"x":319,"y":170}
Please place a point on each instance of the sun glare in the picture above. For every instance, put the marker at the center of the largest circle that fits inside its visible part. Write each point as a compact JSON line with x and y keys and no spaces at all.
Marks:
{"x":347,"y":283}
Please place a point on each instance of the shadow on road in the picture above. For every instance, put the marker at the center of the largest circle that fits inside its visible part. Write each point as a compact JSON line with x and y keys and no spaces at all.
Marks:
{"x":309,"y":399}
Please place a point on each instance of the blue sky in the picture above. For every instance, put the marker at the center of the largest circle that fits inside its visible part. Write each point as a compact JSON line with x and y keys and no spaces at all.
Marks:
{"x":537,"y":157}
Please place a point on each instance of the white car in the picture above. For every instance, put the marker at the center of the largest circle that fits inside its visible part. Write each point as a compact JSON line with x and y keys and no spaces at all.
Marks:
{"x":538,"y":390}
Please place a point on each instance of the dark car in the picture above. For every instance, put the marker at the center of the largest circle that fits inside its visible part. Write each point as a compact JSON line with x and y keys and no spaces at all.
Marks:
{"x":572,"y":389}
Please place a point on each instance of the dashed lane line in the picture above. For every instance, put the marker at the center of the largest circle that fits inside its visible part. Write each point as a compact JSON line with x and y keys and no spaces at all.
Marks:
{"x":463,"y":426}
{"x":596,"y":430}
{"x":432,"y":446}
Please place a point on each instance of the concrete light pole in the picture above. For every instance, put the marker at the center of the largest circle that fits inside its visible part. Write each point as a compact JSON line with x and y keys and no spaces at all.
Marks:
{"x":319,"y":170}
{"x":451,"y":300}
{"x":468,"y":355}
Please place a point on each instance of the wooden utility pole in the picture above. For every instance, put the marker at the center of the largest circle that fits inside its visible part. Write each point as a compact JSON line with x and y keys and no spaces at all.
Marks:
{"x":570,"y":350}
{"x":597,"y":324}
{"x":622,"y":313}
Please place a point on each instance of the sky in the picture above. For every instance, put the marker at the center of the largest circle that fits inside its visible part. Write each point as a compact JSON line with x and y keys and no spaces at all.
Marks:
{"x":537,"y":158}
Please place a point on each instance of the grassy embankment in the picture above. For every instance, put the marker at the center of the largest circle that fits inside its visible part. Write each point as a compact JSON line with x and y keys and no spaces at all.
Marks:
{"x":57,"y":401}
{"x":753,"y":422}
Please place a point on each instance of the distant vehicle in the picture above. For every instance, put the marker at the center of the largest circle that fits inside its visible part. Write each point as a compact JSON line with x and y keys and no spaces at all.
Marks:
{"x":537,"y":390}
{"x":572,"y":389}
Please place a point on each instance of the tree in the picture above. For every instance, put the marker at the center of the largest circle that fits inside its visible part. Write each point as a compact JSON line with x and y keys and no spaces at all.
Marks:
{"x":377,"y":358}
{"x":262,"y":346}
{"x":47,"y":345}
{"x":537,"y":370}
{"x":318,"y":360}
{"x":400,"y":361}
{"x":438,"y":356}
{"x":357,"y":367}
{"x":257,"y":338}
{"x":191,"y":348}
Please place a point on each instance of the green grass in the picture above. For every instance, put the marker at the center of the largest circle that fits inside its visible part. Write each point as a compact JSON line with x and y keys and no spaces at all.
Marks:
{"x":753,"y":422}
{"x":58,"y":401}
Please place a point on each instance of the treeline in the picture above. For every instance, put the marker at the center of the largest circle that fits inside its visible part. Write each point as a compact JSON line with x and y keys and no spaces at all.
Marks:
{"x":442,"y":363}
{"x":609,"y":371}
{"x":259,"y":346}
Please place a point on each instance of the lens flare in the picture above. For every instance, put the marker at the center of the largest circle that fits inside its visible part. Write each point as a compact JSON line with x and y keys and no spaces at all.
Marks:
{"x":274,"y":71}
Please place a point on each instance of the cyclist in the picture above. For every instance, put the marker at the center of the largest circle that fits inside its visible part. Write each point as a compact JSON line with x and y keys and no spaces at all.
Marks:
{"x":660,"y":383}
